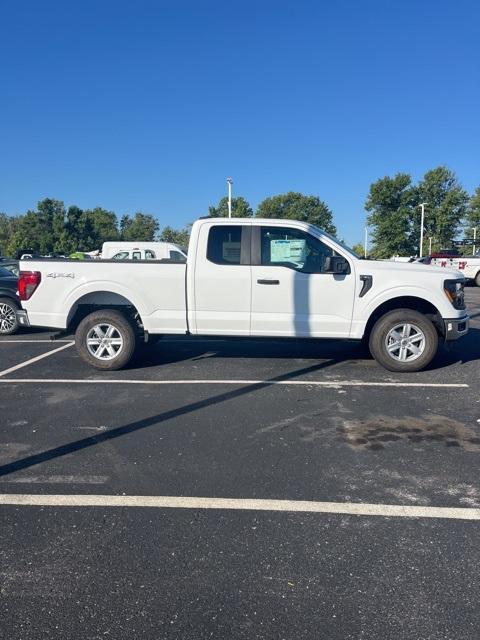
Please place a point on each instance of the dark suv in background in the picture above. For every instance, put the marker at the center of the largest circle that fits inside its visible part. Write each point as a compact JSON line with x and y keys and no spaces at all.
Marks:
{"x":9,"y":302}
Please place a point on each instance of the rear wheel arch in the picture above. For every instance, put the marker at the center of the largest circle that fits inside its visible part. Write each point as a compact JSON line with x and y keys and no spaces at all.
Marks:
{"x":102,"y":301}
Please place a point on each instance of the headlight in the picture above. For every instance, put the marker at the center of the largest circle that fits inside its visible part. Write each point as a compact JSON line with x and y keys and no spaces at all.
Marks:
{"x":454,"y":292}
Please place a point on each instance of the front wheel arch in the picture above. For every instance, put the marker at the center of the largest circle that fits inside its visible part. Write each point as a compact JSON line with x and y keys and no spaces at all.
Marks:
{"x":406,"y":302}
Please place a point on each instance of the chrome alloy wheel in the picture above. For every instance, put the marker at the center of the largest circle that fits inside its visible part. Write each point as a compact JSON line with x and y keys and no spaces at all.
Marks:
{"x":8,"y":318}
{"x":405,"y":342}
{"x":104,"y":341}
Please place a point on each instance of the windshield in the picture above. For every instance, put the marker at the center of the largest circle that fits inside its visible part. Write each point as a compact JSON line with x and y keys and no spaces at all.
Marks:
{"x":5,"y":273}
{"x":339,"y":242}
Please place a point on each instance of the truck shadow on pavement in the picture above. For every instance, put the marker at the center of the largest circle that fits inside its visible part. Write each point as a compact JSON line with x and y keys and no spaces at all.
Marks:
{"x":155,"y":420}
{"x":467,"y":349}
{"x":167,"y":351}
{"x":197,"y":349}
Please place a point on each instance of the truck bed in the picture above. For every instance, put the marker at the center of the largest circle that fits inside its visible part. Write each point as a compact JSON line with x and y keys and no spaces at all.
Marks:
{"x":155,"y":288}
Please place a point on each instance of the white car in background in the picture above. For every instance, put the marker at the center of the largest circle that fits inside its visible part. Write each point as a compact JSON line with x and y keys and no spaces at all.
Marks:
{"x":143,"y":251}
{"x":468,"y":265}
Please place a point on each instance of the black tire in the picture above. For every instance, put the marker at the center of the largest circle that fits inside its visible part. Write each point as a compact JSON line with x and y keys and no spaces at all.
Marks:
{"x":384,"y":332}
{"x":8,"y":316}
{"x":112,"y":355}
{"x":477,"y":279}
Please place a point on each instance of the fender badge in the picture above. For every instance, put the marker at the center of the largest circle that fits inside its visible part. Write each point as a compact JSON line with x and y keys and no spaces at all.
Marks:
{"x":54,"y":274}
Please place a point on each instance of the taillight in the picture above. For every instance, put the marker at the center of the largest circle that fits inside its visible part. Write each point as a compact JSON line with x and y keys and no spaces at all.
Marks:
{"x":28,"y":281}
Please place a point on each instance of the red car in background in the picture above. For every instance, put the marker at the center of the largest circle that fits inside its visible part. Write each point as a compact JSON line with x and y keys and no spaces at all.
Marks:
{"x":446,"y":253}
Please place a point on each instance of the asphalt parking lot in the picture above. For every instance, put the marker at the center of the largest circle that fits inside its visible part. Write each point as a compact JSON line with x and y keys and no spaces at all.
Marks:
{"x":247,"y":489}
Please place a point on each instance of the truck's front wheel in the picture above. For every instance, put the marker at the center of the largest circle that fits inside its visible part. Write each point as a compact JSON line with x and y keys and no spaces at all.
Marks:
{"x":403,"y":340}
{"x":105,"y":340}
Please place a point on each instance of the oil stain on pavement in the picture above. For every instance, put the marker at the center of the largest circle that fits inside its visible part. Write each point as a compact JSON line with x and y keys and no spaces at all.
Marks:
{"x":378,"y":432}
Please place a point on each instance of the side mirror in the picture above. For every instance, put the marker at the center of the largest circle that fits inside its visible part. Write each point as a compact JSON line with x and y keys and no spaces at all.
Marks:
{"x":336,"y":265}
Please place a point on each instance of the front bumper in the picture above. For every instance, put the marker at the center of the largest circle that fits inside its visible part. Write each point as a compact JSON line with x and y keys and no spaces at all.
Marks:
{"x":22,"y":318}
{"x":455,"y":327}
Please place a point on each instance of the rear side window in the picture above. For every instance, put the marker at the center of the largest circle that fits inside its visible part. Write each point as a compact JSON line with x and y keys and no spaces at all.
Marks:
{"x":123,"y":255}
{"x":224,"y":244}
{"x":149,"y":255}
{"x":176,"y":256}
{"x":136,"y":255}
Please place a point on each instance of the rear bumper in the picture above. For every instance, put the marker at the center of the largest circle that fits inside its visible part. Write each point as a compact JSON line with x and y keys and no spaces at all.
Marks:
{"x":22,"y":318}
{"x":456,"y":327}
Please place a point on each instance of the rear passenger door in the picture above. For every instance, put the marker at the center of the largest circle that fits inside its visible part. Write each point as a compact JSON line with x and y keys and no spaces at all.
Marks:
{"x":222,"y":280}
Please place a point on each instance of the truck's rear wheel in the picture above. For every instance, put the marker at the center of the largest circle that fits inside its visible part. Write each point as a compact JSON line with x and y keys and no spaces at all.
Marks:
{"x":477,"y":279}
{"x":105,"y":340}
{"x":403,"y":340}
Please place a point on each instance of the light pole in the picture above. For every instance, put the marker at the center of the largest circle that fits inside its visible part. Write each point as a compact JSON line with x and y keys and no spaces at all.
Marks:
{"x":474,"y":239}
{"x":366,"y":241}
{"x":229,"y":182}
{"x":422,"y":205}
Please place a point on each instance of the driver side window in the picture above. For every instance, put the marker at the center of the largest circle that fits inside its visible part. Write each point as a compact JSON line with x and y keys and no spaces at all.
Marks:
{"x":295,"y":249}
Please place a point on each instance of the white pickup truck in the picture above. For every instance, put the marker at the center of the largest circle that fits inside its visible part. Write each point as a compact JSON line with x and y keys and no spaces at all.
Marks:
{"x":468,"y":265}
{"x":248,"y":277}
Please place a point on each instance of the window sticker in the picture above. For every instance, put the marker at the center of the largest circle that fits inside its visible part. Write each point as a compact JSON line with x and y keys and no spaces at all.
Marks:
{"x":288,"y":251}
{"x":231,"y":251}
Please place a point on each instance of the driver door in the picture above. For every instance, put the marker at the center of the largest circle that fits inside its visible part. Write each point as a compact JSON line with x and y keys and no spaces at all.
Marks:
{"x":293,"y":294}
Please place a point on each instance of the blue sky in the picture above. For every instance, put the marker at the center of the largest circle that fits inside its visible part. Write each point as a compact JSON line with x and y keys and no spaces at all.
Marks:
{"x":150,"y":105}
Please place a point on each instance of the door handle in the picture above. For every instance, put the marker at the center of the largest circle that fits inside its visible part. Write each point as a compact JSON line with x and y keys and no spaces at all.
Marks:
{"x":265,"y":281}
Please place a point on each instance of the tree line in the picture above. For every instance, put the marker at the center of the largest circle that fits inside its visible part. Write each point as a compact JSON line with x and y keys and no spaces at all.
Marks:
{"x":392,"y":205}
{"x":394,"y":218}
{"x":54,"y":229}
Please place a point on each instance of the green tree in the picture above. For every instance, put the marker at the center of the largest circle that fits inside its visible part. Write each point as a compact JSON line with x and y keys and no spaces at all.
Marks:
{"x":28,"y":233}
{"x":6,"y":232}
{"x":296,"y":206}
{"x":142,"y":227}
{"x":359,"y":249}
{"x":102,"y":226}
{"x":390,"y":204}
{"x":77,"y":233}
{"x":446,"y":206}
{"x":176,"y":236}
{"x":41,"y":230}
{"x":50,"y":224}
{"x":240,"y":208}
{"x":472,"y":219}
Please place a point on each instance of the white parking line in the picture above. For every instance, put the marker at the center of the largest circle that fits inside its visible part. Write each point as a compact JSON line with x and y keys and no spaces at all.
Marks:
{"x":71,"y":479}
{"x":36,"y":359}
{"x":46,"y":341}
{"x":241,"y":504}
{"x":315,"y":383}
